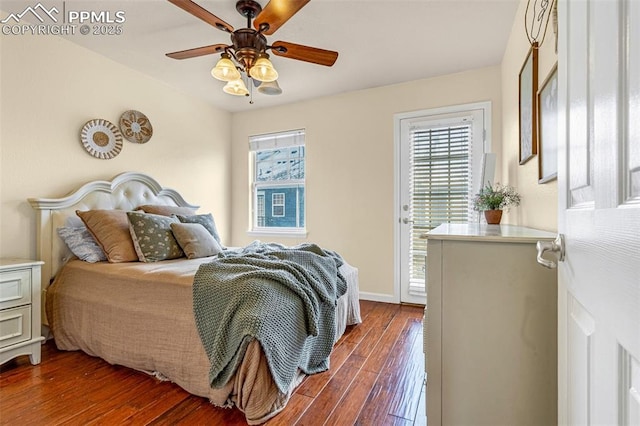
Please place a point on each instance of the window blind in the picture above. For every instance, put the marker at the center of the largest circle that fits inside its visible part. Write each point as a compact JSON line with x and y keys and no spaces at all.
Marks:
{"x":276,"y":140}
{"x":440,"y":180}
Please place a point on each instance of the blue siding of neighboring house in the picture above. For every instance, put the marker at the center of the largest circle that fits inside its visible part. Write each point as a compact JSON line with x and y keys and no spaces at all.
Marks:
{"x":289,"y":218}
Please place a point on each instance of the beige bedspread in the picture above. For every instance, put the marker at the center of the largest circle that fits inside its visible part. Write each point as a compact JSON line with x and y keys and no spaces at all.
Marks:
{"x":140,"y":315}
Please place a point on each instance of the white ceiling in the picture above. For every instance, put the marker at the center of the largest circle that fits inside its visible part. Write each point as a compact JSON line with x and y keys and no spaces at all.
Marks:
{"x":379,"y":43}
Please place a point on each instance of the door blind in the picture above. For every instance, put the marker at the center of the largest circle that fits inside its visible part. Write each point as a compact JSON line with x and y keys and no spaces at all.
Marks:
{"x":440,"y":180}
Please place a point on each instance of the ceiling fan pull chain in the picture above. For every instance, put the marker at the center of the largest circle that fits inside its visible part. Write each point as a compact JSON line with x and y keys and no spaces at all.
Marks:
{"x":250,"y":90}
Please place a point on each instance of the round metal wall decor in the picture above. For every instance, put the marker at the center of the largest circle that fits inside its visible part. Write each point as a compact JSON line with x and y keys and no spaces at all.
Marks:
{"x":136,"y":127}
{"x":101,"y":138}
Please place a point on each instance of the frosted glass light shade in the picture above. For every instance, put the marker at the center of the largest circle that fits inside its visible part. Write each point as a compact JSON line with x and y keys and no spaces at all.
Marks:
{"x":263,"y":69}
{"x":270,"y":88}
{"x":225,"y":69}
{"x":236,"y":87}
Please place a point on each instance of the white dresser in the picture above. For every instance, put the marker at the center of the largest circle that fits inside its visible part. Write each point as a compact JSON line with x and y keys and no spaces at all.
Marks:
{"x":490,"y":327}
{"x":20,"y":309}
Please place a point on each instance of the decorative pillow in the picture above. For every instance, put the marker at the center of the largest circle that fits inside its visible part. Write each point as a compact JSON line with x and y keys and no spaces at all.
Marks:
{"x":205,"y":220}
{"x":110,"y":228}
{"x":195,"y":240}
{"x":81,"y":243}
{"x":152,"y":237}
{"x":164,"y":210}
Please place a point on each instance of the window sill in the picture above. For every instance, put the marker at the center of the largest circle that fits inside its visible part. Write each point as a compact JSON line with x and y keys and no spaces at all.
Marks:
{"x":286,"y":233}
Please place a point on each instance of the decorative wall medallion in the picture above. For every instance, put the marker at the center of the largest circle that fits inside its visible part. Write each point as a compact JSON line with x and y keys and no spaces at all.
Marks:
{"x":135,"y":126}
{"x":101,"y":138}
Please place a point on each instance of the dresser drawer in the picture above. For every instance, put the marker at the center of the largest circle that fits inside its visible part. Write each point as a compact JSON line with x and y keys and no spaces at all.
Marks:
{"x":15,"y":288}
{"x":15,"y":325}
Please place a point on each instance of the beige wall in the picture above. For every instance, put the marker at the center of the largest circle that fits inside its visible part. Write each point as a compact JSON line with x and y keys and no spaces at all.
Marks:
{"x":50,"y":88}
{"x":539,"y":201}
{"x":350,"y":164}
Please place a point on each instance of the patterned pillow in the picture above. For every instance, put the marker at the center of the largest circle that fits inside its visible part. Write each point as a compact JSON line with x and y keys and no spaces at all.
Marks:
{"x":152,"y":237}
{"x":110,"y":228}
{"x":205,"y":220}
{"x":81,"y":243}
{"x":195,"y":240}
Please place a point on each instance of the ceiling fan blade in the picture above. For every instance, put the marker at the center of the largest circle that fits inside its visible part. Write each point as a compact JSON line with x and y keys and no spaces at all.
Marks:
{"x":200,"y":12}
{"x":304,"y":53}
{"x":276,"y":13}
{"x":198,"y":51}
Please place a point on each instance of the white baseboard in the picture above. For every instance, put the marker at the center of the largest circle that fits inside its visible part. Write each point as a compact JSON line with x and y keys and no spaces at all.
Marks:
{"x":378,"y":297}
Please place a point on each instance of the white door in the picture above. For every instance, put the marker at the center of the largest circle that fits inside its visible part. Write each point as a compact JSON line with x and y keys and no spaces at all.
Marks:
{"x":439,"y":161}
{"x":599,"y":212}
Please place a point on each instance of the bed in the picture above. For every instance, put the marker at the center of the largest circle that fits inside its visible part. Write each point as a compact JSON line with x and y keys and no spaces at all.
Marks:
{"x":141,"y":314}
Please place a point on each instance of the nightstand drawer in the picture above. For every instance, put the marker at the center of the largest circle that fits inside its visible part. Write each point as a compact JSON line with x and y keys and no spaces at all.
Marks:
{"x":15,"y":325}
{"x":15,"y":288}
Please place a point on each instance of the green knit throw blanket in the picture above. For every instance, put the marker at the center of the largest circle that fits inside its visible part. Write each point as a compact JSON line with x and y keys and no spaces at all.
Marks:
{"x":283,"y":297}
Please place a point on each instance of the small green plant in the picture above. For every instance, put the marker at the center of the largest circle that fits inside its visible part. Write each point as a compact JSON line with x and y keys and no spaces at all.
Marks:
{"x":497,"y":197}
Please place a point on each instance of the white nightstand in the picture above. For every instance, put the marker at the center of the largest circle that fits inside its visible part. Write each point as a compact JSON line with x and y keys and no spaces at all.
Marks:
{"x":20,"y":309}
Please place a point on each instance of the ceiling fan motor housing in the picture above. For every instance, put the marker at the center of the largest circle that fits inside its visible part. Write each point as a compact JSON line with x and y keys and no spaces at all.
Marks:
{"x":247,"y":44}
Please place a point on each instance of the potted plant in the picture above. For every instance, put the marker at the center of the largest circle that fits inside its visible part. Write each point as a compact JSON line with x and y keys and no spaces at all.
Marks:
{"x":493,"y":199}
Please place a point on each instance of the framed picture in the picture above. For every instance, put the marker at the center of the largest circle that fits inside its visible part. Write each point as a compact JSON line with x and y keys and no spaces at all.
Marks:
{"x":548,"y":127}
{"x":528,"y":87}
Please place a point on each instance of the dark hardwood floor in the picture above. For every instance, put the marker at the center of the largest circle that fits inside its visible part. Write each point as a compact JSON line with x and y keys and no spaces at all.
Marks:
{"x":376,"y":378}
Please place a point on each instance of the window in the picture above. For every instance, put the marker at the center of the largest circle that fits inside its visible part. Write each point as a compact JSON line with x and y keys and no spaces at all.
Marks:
{"x":278,"y":183}
{"x":440,"y":183}
{"x":441,"y":175}
{"x":260,"y":207}
{"x":277,"y":204}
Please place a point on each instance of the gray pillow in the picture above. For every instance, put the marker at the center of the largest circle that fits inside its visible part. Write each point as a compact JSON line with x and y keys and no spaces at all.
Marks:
{"x":166,"y":210}
{"x":81,"y":243}
{"x":152,"y":237}
{"x":205,"y":220}
{"x":195,"y":240}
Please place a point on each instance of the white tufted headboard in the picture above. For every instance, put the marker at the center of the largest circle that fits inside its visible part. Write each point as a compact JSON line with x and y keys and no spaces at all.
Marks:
{"x":125,"y":192}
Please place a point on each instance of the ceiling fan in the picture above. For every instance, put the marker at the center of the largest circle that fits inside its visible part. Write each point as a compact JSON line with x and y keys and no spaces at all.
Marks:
{"x":247,"y":52}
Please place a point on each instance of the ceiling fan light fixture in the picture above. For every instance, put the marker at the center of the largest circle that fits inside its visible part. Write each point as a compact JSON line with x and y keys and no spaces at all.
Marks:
{"x":263,"y":70}
{"x":225,"y":69}
{"x":270,"y":88}
{"x":236,"y":87}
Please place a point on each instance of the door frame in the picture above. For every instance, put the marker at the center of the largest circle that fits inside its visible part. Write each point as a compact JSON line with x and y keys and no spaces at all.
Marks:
{"x":397,"y":173}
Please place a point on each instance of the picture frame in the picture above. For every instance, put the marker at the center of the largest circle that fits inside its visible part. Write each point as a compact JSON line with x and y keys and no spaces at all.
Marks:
{"x":528,"y":89}
{"x":547,"y":101}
